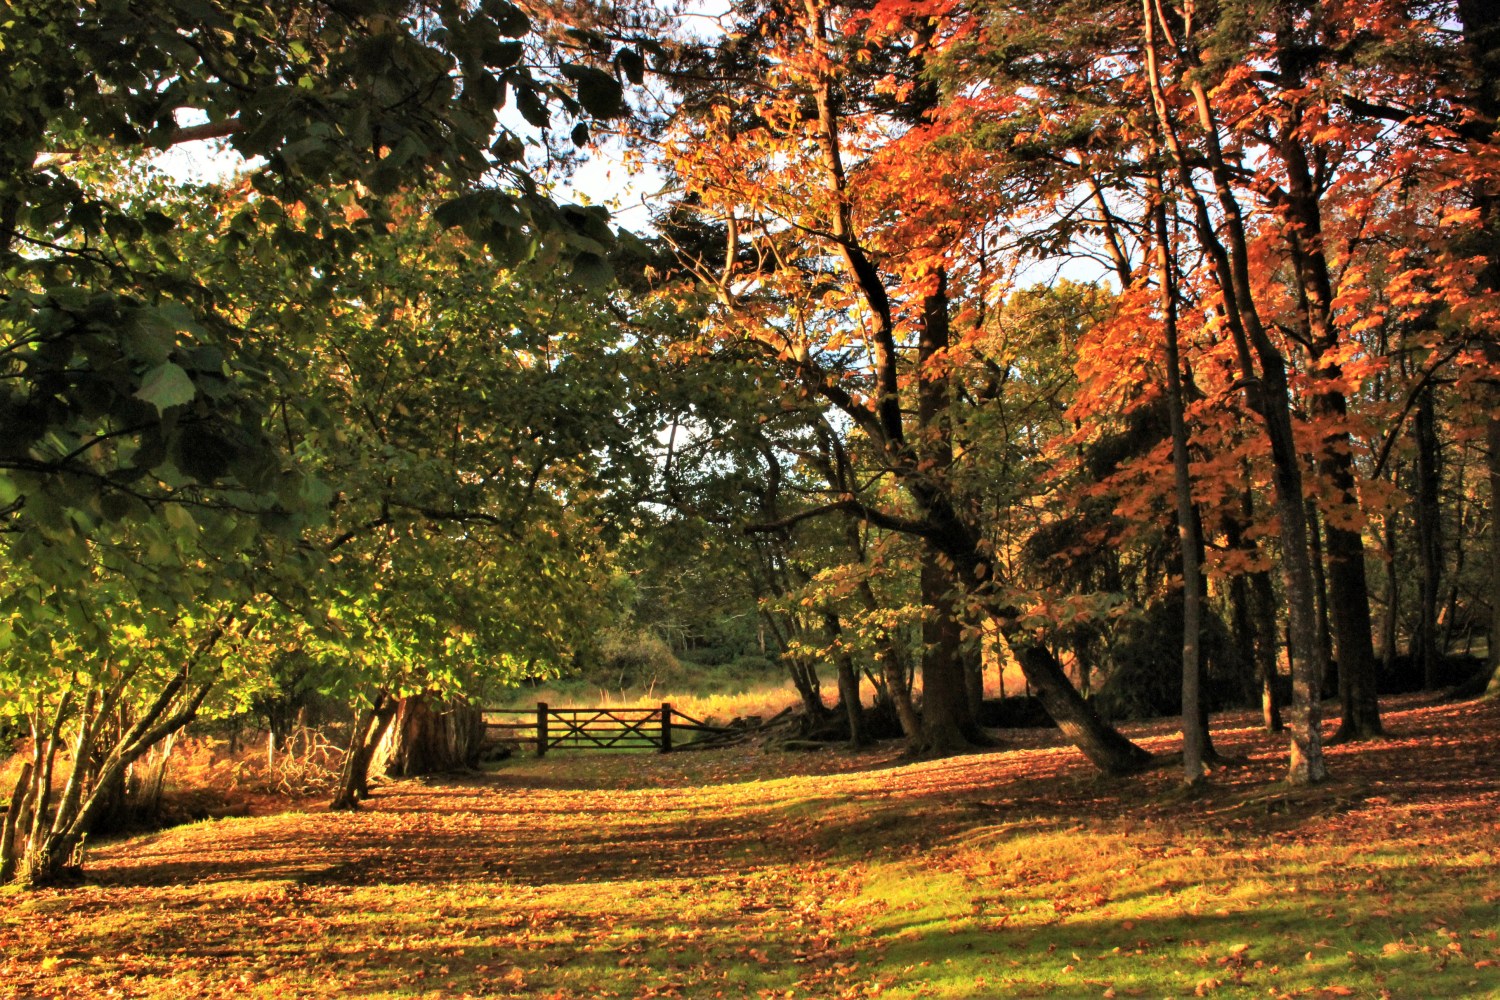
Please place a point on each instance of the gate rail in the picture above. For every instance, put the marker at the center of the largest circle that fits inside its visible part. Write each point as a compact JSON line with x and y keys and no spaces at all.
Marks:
{"x":594,"y":728}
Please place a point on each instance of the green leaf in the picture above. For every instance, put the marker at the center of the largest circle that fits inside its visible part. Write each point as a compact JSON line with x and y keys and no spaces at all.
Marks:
{"x":598,"y":92}
{"x":592,"y":271}
{"x":633,"y":65}
{"x":511,"y":20}
{"x":166,"y":386}
{"x":580,"y":134}
{"x":531,"y":107}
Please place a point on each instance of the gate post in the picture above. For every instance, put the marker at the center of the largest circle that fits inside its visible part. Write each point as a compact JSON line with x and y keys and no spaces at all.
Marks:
{"x":666,"y":727}
{"x":541,"y":728}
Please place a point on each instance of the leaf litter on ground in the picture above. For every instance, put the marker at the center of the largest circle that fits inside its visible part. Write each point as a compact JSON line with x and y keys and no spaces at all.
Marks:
{"x":752,"y":874}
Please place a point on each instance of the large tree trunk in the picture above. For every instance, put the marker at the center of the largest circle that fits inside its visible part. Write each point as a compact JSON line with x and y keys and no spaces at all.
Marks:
{"x":1493,"y":441}
{"x":429,"y":738}
{"x":1481,"y":33}
{"x":948,"y":724}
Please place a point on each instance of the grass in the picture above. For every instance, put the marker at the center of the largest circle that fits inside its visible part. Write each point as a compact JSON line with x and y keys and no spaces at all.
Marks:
{"x":720,"y":693}
{"x":745,"y":873}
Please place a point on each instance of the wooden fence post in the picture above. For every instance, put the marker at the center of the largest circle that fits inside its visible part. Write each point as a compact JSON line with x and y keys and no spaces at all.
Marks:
{"x":666,"y":727}
{"x":541,"y":728}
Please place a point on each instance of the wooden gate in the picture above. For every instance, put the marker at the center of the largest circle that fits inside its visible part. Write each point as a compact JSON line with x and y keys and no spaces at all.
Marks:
{"x":592,"y":728}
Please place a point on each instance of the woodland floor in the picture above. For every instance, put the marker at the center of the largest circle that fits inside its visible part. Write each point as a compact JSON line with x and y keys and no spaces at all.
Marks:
{"x":742,"y":873}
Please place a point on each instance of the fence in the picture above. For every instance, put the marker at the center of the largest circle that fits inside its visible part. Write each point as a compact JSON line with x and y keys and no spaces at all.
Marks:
{"x":593,"y":728}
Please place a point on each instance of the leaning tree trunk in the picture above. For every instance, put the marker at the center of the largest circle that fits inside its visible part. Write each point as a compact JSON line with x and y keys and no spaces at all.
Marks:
{"x":370,"y":725}
{"x":1100,"y":742}
{"x":54,"y":856}
{"x":429,"y":737}
{"x":893,"y":667}
{"x":895,"y":672}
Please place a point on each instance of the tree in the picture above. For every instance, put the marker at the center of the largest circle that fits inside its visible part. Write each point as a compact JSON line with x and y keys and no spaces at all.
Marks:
{"x":143,"y":393}
{"x":849,"y":288}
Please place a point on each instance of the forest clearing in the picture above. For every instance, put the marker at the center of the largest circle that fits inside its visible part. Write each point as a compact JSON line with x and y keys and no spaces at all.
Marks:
{"x":1046,"y":452}
{"x":746,"y":873}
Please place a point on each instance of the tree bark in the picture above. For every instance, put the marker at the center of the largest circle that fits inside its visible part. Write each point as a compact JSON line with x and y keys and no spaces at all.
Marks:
{"x":1100,"y":742}
{"x":804,"y":676}
{"x":848,"y":681}
{"x":1320,"y":596}
{"x":1493,"y":461}
{"x":1429,"y":537}
{"x":54,"y":858}
{"x":1195,"y":741}
{"x":369,"y":727}
{"x":428,"y":737}
{"x":14,"y":812}
{"x":893,"y":667}
{"x":1481,"y":36}
{"x":1269,"y":394}
{"x":1345,"y":591}
{"x":948,"y":723}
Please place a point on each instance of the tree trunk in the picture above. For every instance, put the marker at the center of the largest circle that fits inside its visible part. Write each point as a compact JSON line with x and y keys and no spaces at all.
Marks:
{"x":1195,"y":741}
{"x":1320,"y":598}
{"x":369,"y":728}
{"x":973,"y":661}
{"x":44,"y":745}
{"x":1349,"y":598}
{"x":14,"y":812}
{"x":948,"y":724}
{"x":1253,"y":598}
{"x":1389,"y":637}
{"x":1481,"y":35}
{"x":1448,"y":614}
{"x":1269,"y":394}
{"x":848,"y":679}
{"x":426,"y":737}
{"x":1100,"y":742}
{"x":1493,"y":461}
{"x":898,"y":688}
{"x":805,"y":679}
{"x":1429,"y":537}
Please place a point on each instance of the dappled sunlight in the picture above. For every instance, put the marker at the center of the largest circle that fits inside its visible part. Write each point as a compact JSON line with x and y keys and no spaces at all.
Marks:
{"x":815,"y":876}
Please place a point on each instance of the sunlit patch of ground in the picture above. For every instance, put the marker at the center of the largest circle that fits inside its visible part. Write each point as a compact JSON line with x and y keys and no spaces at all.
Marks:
{"x":744,"y":873}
